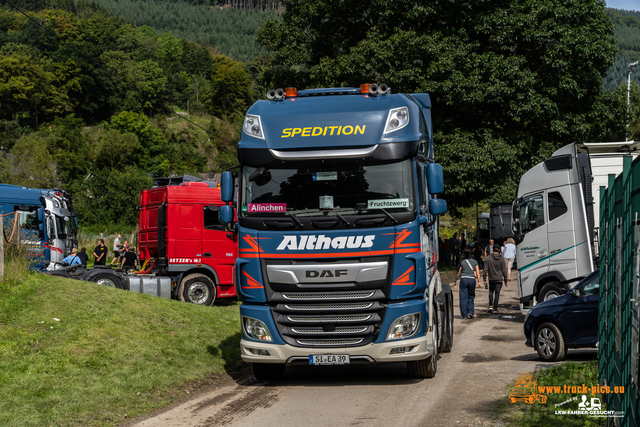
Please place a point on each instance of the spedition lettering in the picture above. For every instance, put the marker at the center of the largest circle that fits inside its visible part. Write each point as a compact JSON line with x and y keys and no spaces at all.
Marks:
{"x":323,"y":131}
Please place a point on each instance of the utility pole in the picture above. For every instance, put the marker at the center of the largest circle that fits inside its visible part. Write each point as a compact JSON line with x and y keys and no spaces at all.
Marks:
{"x":629,"y":70}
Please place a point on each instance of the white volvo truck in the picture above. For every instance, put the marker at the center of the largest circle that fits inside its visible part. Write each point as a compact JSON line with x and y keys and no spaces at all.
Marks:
{"x":556,"y":217}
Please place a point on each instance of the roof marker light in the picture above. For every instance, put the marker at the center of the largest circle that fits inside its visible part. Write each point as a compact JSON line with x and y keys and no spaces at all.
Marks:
{"x":291,"y":91}
{"x":364,"y":88}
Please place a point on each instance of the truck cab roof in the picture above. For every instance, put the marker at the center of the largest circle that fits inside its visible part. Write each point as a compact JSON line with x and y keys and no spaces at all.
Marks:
{"x":336,"y":117}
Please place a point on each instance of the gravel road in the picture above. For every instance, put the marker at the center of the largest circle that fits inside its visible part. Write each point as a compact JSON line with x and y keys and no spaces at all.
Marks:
{"x":488,"y":353}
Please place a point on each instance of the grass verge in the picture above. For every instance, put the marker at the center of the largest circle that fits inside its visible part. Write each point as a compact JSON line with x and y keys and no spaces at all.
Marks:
{"x":521,"y":414}
{"x":76,"y":353}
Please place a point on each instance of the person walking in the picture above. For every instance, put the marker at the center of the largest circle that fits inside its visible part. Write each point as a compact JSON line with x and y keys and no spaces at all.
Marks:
{"x":496,"y":269}
{"x":509,"y":254}
{"x":488,"y":250}
{"x":453,"y":250}
{"x":100,"y":253}
{"x":469,"y":274}
{"x":116,"y":250}
{"x":476,"y":252}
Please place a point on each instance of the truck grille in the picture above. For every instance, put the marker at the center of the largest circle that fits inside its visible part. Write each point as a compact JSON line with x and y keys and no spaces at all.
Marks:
{"x":310,"y":307}
{"x":316,"y":313}
{"x":328,"y":343}
{"x":345,"y":330}
{"x":322,"y":296}
{"x":330,"y":318}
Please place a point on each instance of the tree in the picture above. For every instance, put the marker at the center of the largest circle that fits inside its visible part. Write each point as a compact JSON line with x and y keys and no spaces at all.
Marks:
{"x":28,"y":164}
{"x":509,"y":80}
{"x":230,"y":88}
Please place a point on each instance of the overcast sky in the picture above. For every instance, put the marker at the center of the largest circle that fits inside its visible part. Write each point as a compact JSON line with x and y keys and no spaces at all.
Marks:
{"x":624,"y":4}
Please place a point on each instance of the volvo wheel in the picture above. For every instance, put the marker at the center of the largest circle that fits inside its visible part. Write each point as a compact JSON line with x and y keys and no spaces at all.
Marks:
{"x":550,"y":291}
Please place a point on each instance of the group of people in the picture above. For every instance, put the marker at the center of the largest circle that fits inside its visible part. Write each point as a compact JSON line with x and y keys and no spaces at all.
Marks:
{"x":76,"y":257}
{"x":124,"y":255}
{"x":497,"y":265}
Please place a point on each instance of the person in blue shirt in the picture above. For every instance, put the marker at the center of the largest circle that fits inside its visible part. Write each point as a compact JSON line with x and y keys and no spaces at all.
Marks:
{"x":72,"y":259}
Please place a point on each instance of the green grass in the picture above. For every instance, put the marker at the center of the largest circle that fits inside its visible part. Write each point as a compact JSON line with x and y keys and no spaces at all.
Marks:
{"x":112,"y":355}
{"x":521,"y":414}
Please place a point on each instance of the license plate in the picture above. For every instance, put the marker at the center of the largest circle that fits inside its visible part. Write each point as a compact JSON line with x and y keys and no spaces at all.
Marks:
{"x":329,"y":359}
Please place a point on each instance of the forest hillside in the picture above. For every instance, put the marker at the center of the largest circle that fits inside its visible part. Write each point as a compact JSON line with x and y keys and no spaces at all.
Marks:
{"x":99,"y":96}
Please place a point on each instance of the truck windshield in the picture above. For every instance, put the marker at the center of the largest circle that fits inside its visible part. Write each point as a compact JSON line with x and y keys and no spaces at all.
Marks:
{"x":349,"y":189}
{"x":64,"y":226}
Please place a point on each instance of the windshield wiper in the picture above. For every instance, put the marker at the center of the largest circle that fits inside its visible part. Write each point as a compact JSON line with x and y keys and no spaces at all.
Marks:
{"x":395,"y":221}
{"x":343,"y":219}
{"x":296,"y":220}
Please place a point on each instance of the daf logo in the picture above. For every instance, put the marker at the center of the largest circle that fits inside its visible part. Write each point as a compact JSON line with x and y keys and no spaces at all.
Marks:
{"x":325,"y":273}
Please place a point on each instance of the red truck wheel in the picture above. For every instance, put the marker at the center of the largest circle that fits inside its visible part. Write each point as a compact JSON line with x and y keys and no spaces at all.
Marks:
{"x":197,"y":289}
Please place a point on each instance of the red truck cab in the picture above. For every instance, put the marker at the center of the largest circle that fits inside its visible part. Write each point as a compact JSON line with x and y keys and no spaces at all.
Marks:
{"x":179,"y":233}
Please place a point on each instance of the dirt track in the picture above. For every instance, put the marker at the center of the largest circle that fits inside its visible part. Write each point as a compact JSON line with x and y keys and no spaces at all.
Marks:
{"x":488,"y":353}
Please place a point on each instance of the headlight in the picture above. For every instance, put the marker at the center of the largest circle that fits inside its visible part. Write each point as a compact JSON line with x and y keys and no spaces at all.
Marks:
{"x":252,"y":126}
{"x":398,"y":118}
{"x":404,"y":327}
{"x":255,"y":329}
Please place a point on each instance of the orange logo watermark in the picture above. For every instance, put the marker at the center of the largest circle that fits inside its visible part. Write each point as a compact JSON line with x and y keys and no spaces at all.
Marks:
{"x":526,"y":390}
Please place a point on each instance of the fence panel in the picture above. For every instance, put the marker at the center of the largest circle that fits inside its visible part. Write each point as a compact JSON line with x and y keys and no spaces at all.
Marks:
{"x":619,"y":278}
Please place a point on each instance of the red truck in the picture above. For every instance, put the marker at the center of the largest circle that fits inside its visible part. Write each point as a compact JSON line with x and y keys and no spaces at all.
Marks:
{"x":186,"y":253}
{"x":179,"y":233}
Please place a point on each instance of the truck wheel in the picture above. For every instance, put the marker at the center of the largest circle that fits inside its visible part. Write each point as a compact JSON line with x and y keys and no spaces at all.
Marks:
{"x":448,"y":335}
{"x":268,"y":371}
{"x":104,"y":278}
{"x":551,"y":290}
{"x":550,"y":343}
{"x":426,"y":368}
{"x":197,"y":289}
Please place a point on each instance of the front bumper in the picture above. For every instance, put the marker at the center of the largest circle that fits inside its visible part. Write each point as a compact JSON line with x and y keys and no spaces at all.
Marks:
{"x":422,"y":347}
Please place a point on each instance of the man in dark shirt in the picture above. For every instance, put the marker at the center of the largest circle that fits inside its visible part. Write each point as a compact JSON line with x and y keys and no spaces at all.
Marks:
{"x":129,"y":259}
{"x":84,"y":258}
{"x":496,"y":269}
{"x":100,"y":253}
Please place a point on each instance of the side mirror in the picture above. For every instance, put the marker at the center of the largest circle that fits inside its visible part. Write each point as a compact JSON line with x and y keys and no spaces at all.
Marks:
{"x":437,"y":206}
{"x":225,"y":214}
{"x":575,"y":292}
{"x":226,"y":187}
{"x":435,"y":179}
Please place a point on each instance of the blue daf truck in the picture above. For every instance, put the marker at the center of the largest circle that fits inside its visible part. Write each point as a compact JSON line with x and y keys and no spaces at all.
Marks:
{"x":47,"y":222}
{"x":337,"y":224}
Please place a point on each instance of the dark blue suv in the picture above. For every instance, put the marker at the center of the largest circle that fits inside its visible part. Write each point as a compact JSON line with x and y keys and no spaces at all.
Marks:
{"x":568,"y":321}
